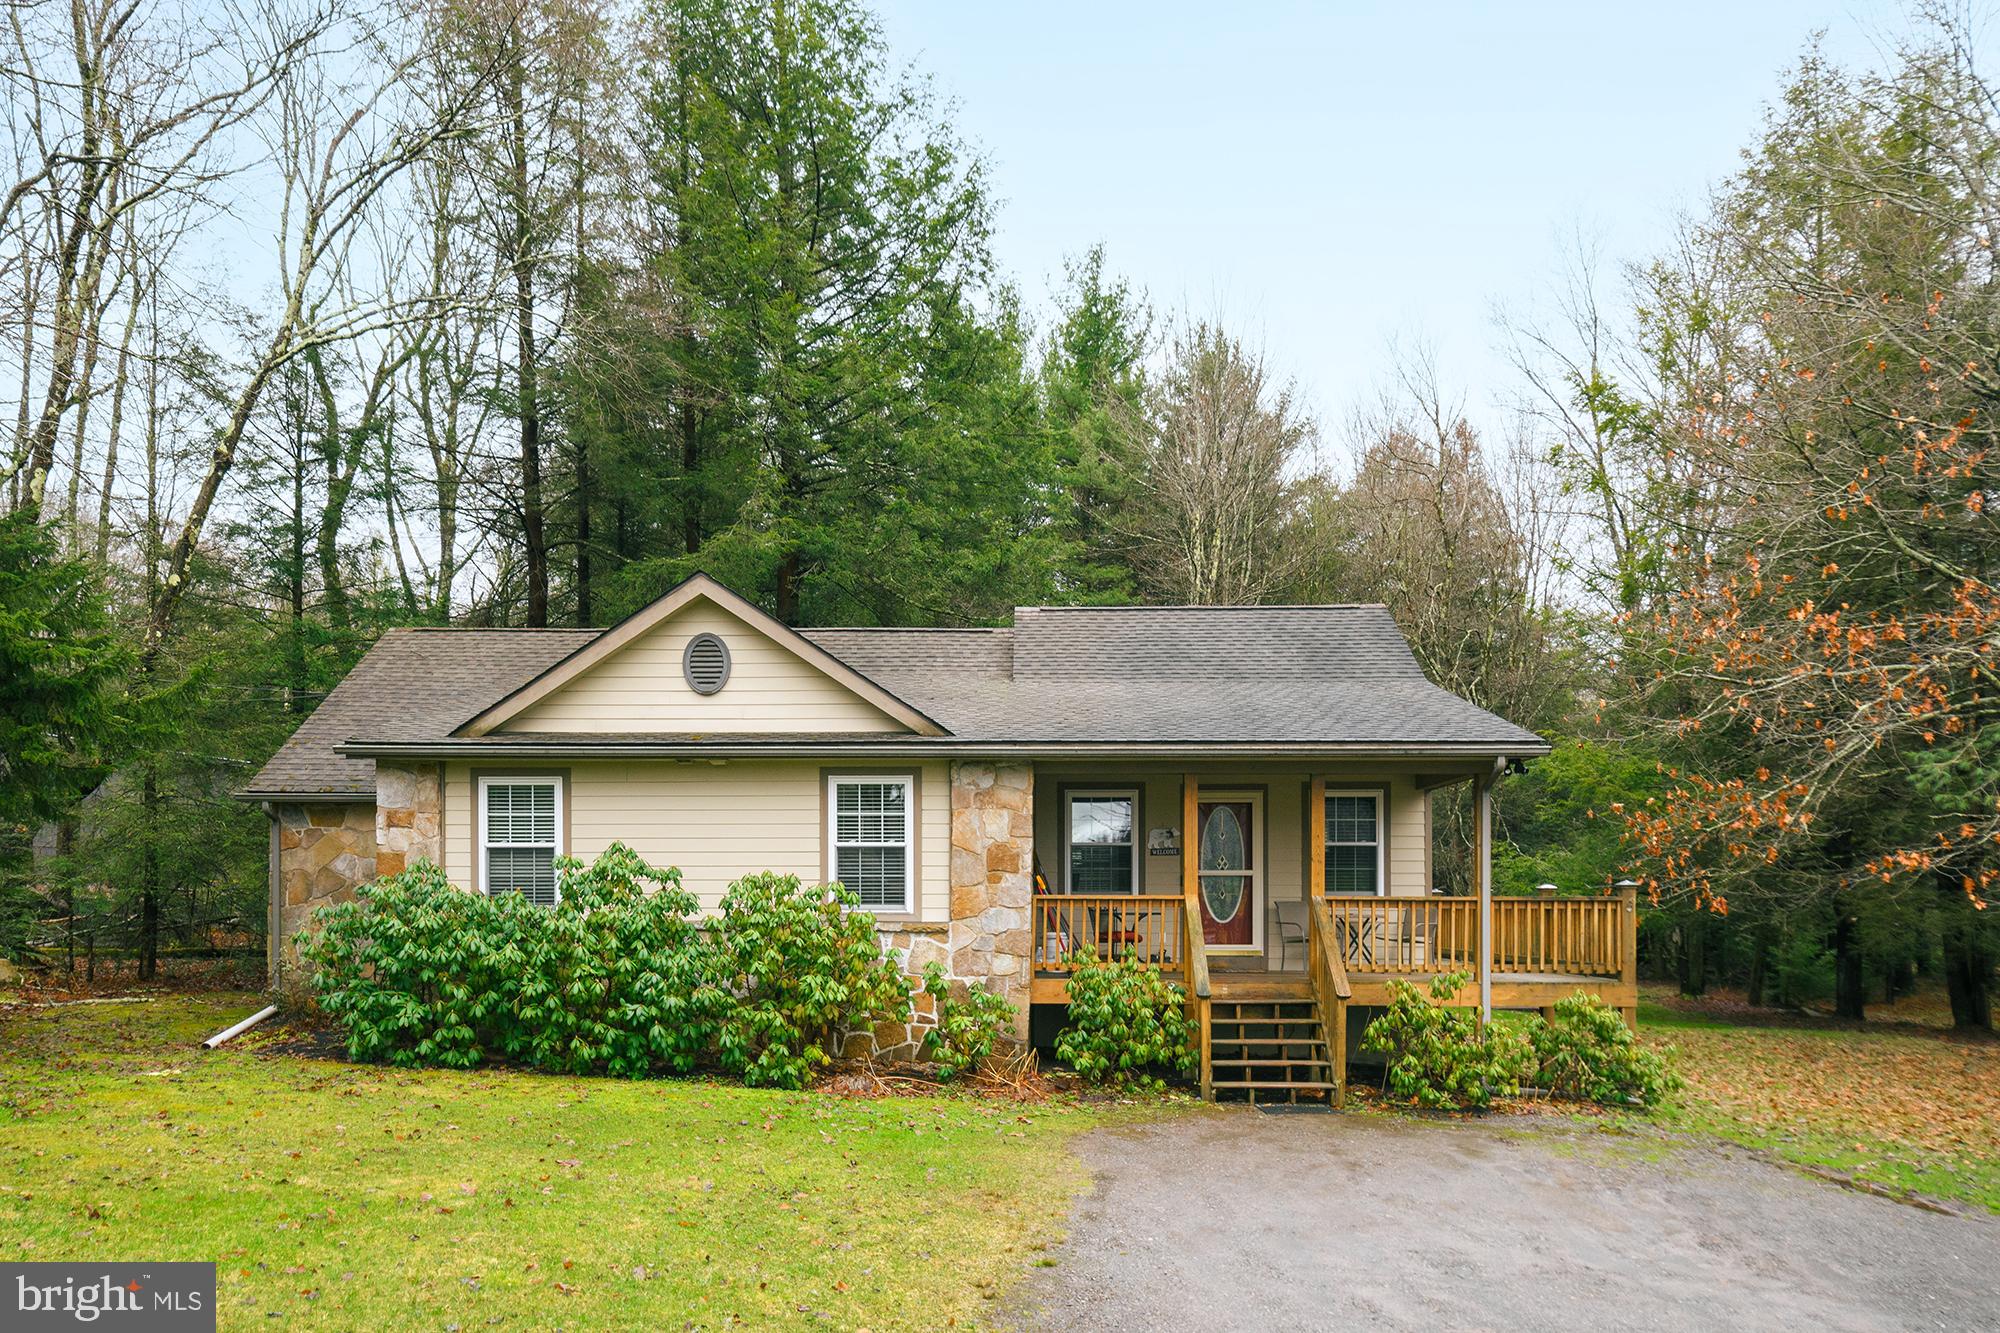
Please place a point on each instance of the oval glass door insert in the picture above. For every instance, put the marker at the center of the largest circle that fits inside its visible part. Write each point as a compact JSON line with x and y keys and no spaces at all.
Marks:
{"x":1224,"y":848}
{"x":1223,"y":896}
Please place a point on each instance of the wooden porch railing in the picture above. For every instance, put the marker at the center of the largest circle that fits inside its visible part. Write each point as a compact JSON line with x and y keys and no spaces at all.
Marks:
{"x":1332,"y":991}
{"x":1569,"y":936}
{"x":1404,"y":935}
{"x":1573,"y":936}
{"x":1144,"y":926}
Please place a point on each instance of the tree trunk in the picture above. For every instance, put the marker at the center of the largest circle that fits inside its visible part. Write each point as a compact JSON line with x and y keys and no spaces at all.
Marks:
{"x":295,"y":575}
{"x":1850,"y":995}
{"x":534,"y":538}
{"x":1760,"y":965}
{"x":1694,"y":957}
{"x":583,"y":498}
{"x":788,"y":588}
{"x":691,"y":534}
{"x":149,"y":887}
{"x":1968,"y":961}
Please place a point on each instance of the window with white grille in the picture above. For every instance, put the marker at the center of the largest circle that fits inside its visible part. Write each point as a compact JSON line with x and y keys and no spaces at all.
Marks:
{"x":869,"y":831}
{"x":1354,"y":842}
{"x":520,"y":836}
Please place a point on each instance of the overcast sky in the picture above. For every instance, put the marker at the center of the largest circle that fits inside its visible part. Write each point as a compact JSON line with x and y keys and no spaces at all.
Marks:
{"x":1331,"y":177}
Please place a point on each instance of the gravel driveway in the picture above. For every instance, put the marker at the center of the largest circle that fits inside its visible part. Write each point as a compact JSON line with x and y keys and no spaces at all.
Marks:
{"x":1237,"y":1219}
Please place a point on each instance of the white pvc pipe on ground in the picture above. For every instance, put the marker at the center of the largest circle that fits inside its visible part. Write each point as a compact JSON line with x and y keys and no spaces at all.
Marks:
{"x":242,"y":1027}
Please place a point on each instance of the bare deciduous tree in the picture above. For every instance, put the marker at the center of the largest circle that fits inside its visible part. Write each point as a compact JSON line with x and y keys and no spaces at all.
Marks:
{"x":1216,"y":444}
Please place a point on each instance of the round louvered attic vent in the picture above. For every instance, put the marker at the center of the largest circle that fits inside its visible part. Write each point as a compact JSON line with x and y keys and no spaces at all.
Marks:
{"x":705,"y":663}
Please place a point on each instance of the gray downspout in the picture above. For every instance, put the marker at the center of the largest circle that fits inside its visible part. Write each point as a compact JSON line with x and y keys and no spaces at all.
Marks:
{"x":1484,"y":873}
{"x":273,"y":951}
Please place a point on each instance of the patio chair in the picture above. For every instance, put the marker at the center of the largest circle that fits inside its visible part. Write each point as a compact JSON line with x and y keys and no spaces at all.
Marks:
{"x":1291,"y":930}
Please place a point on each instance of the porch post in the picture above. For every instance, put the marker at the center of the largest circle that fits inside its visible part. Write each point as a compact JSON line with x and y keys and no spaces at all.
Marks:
{"x":1190,"y":835}
{"x":1196,"y":963}
{"x":1316,"y":839}
{"x":1482,"y":871}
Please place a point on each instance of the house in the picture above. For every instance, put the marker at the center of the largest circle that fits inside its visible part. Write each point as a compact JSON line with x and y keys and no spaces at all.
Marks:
{"x":1240,"y":795}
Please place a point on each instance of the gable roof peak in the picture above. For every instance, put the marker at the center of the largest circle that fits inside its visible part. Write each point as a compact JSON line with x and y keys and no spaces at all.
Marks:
{"x":697,"y":587}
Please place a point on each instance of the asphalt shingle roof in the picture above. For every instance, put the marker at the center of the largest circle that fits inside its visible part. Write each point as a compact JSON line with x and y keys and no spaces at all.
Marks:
{"x":1333,"y":675}
{"x":414,"y":684}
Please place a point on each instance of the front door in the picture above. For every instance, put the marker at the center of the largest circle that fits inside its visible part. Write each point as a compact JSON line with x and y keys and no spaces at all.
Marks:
{"x":1228,"y":868}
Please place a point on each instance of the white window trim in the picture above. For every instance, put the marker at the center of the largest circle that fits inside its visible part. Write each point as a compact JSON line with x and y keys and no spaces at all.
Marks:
{"x":1070,"y":796}
{"x":908,"y":782}
{"x":523,"y":779}
{"x":1376,"y":795}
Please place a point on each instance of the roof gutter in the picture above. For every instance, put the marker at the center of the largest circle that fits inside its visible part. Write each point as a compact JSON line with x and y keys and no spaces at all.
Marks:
{"x":701,"y":750}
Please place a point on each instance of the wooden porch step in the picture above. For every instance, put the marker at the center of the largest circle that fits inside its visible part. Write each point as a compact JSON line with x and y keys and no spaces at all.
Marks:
{"x":1235,"y":1025}
{"x":1294,"y":1085}
{"x":1315,"y":1049}
{"x":1269,"y":1064}
{"x":1261,"y":985}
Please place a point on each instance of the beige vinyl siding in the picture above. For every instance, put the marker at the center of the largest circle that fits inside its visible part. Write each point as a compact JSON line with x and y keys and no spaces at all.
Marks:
{"x":715,"y":822}
{"x":640,"y":688}
{"x":1409,"y":840}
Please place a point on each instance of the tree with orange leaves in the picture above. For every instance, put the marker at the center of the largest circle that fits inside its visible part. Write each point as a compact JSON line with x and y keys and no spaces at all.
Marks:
{"x":1826,"y":678}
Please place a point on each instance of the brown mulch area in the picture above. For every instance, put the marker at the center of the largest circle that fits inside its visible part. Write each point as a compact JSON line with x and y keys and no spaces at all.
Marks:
{"x":297,"y":1036}
{"x":1014,"y":1076}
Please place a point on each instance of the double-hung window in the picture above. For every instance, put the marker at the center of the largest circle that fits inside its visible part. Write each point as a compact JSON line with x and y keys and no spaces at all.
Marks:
{"x":520,"y":836}
{"x":870,"y":832}
{"x":1102,"y":832}
{"x":1354,"y":842}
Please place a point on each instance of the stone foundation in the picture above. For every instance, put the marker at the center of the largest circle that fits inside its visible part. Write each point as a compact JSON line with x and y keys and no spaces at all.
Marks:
{"x":409,"y":816}
{"x":914,"y":947}
{"x":324,"y":852}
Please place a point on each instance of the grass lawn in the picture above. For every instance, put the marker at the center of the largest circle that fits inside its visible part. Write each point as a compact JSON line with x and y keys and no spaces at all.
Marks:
{"x":341,"y":1197}
{"x":1900,"y":1106}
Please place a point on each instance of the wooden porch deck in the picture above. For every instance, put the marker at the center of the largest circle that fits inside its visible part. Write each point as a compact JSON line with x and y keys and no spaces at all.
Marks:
{"x":1283,"y":1033}
{"x":1536,"y":951}
{"x":1511,"y":990}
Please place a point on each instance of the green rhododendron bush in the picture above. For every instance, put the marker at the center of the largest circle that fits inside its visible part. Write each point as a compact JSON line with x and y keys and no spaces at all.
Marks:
{"x":1586,"y":1053}
{"x":617,"y":977}
{"x":970,"y":1020}
{"x":1126,"y":1023}
{"x":801,"y":966}
{"x":1444,"y":1057}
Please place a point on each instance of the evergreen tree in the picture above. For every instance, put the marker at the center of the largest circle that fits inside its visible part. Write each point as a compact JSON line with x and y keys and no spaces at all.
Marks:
{"x":60,"y":663}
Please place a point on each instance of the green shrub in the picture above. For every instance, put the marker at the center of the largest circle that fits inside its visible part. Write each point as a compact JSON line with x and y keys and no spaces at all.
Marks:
{"x":405,"y":969}
{"x":1587,"y":1053}
{"x":611,"y":978}
{"x":803,"y":967}
{"x":1440,"y":1056}
{"x":969,"y":1020}
{"x":1126,"y":1021}
{"x":614,"y":977}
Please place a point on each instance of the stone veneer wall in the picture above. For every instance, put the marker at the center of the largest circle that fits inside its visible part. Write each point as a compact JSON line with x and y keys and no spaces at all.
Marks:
{"x":409,"y":816}
{"x":988,"y":939}
{"x":324,"y":850}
